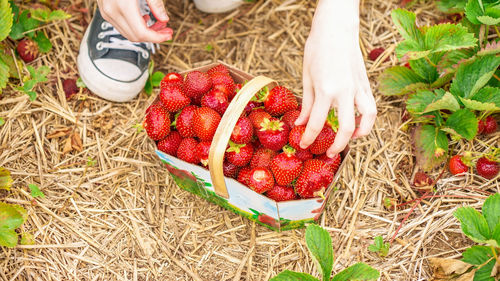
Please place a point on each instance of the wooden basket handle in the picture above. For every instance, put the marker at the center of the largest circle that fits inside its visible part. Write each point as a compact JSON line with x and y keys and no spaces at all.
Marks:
{"x":225,"y":129}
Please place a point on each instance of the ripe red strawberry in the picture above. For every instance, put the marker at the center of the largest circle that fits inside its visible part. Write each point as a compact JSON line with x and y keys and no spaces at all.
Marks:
{"x":202,"y":149}
{"x":375,"y":53}
{"x":220,"y":68}
{"x":422,"y":179}
{"x":187,"y":151}
{"x":216,"y":100}
{"x":457,"y":166}
{"x":230,"y":170}
{"x":205,"y":122}
{"x":257,"y":116}
{"x":490,"y":125}
{"x":304,"y":154}
{"x":314,"y":179}
{"x":237,"y":88}
{"x":223,"y":82}
{"x":281,"y":193}
{"x":487,"y":168}
{"x":323,"y":141}
{"x":70,"y":88}
{"x":480,"y":126}
{"x":184,"y":121}
{"x":196,"y":84}
{"x":290,"y":117}
{"x":295,"y":136}
{"x":173,"y":98}
{"x":273,"y":134}
{"x":239,"y":154}
{"x":27,"y":50}
{"x":251,"y":106}
{"x":243,"y":131}
{"x":172,"y":79}
{"x":407,"y":65}
{"x":333,"y":162}
{"x":170,"y":143}
{"x":279,"y":100}
{"x":244,"y":175}
{"x":261,"y":180}
{"x":157,"y":122}
{"x":262,"y":158}
{"x":286,"y":167}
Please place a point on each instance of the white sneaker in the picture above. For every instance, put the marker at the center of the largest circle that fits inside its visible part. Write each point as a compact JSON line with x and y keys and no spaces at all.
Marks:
{"x":111,"y":66}
{"x":217,"y":6}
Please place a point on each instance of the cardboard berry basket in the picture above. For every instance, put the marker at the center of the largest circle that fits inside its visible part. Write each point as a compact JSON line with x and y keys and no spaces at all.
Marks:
{"x":229,"y":193}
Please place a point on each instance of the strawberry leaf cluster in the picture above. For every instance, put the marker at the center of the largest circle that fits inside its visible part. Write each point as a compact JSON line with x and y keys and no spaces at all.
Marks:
{"x":319,"y":244}
{"x":451,"y":78}
{"x":482,"y":228}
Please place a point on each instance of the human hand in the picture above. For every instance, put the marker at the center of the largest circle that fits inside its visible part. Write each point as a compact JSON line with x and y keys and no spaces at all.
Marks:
{"x":334,"y":76}
{"x":126,"y":17}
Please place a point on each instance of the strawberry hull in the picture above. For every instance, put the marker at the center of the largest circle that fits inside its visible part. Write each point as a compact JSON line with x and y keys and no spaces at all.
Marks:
{"x":278,"y":216}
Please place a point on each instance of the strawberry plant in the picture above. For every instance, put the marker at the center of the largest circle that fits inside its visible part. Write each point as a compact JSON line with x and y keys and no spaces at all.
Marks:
{"x":482,"y":228}
{"x":379,"y":246}
{"x":11,"y":216}
{"x":320,"y":247}
{"x":451,"y":81}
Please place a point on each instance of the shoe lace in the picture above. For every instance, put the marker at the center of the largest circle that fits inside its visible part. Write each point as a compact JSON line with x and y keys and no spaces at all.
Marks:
{"x":116,"y":41}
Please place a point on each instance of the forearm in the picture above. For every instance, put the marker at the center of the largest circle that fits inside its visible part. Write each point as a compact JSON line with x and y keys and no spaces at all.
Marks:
{"x":336,"y":16}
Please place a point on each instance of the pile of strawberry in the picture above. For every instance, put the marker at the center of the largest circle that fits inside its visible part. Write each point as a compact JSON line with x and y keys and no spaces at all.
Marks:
{"x":263,"y":152}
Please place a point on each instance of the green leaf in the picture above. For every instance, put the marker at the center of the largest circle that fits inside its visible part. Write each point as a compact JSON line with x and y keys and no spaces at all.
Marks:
{"x":148,"y":87}
{"x":431,"y":146}
{"x":4,"y":74}
{"x":495,"y":237}
{"x":451,"y":6}
{"x":471,"y":77}
{"x":405,"y":24}
{"x":7,"y":57}
{"x":484,"y":273}
{"x":43,"y":42}
{"x":5,"y":18}
{"x":17,"y":31}
{"x":473,"y":224}
{"x":5,"y":179}
{"x":156,"y":78}
{"x":2,"y":122}
{"x":463,"y":122}
{"x":481,"y":12}
{"x":424,"y":69}
{"x":29,"y":23}
{"x":491,"y":48}
{"x":58,"y":15}
{"x":477,"y":255}
{"x":288,"y":275}
{"x":32,"y":95}
{"x":491,"y":211}
{"x":35,"y":191}
{"x":10,"y":219}
{"x":448,"y":37}
{"x":358,"y":272}
{"x":400,"y":80}
{"x":40,"y":14}
{"x":379,"y":246}
{"x":487,"y":99}
{"x":426,"y":101}
{"x":450,"y":61}
{"x":319,"y":243}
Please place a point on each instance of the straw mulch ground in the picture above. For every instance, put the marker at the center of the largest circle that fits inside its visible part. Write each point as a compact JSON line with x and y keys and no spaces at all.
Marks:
{"x":124,"y":219}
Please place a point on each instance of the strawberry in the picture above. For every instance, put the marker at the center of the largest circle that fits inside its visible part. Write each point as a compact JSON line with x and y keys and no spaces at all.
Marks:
{"x":286,"y":167}
{"x":323,"y":141}
{"x":279,"y":100}
{"x":230,"y":170}
{"x":304,"y":154}
{"x":251,"y":105}
{"x":487,"y":168}
{"x":184,"y":121}
{"x":187,"y":151}
{"x":295,"y":136}
{"x":333,"y":162}
{"x":314,"y":179}
{"x":407,"y":65}
{"x":281,"y":193}
{"x":480,"y":126}
{"x":262,"y":158}
{"x":202,"y":149}
{"x":237,"y":88}
{"x":243,"y":131}
{"x":239,"y":154}
{"x":375,"y":53}
{"x":290,"y":117}
{"x":70,"y":88}
{"x":223,"y":82}
{"x":220,"y":68}
{"x":257,"y":116}
{"x":244,"y":175}
{"x":268,"y":220}
{"x":490,"y":125}
{"x":173,"y":79}
{"x":216,"y":100}
{"x":196,"y":84}
{"x":205,"y":122}
{"x":157,"y":122}
{"x":457,"y":166}
{"x":261,"y":180}
{"x":170,"y":143}
{"x":273,"y":134}
{"x":422,"y":179}
{"x":173,"y":98}
{"x":27,"y":50}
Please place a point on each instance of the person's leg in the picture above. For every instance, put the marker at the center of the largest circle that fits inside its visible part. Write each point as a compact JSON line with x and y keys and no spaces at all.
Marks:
{"x":217,"y":6}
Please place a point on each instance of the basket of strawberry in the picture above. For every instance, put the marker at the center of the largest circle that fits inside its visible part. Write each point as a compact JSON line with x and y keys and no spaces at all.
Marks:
{"x":230,"y":138}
